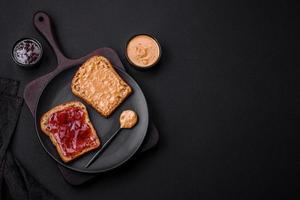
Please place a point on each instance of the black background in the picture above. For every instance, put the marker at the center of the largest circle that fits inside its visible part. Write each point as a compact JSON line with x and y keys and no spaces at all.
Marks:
{"x":225,"y":95}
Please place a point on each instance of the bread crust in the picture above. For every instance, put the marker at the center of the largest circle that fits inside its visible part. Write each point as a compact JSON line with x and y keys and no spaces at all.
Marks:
{"x":44,"y":121}
{"x":99,"y":85}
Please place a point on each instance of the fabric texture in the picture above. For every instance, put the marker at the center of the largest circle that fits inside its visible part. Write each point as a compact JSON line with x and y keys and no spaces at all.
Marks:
{"x":15,"y":182}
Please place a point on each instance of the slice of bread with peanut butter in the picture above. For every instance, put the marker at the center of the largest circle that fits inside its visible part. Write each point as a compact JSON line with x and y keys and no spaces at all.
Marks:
{"x":98,"y":84}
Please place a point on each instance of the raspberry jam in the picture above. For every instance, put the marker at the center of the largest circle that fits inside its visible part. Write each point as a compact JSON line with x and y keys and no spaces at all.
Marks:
{"x":70,"y":130}
{"x":27,"y":52}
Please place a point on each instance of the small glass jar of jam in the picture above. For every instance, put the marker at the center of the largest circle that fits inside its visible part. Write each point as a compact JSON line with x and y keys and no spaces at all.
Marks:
{"x":27,"y":52}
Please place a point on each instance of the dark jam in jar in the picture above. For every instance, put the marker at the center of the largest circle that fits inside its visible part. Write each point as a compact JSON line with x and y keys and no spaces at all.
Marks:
{"x":70,"y":130}
{"x":27,"y":52}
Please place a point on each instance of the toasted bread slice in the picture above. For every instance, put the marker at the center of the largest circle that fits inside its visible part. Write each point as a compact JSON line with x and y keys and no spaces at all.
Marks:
{"x":97,"y":83}
{"x":89,"y":141}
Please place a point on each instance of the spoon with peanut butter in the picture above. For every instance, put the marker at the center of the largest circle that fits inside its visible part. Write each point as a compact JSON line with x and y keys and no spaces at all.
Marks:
{"x":128,"y":119}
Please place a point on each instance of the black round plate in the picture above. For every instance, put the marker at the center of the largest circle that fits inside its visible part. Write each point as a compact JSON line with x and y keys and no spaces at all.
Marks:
{"x":58,"y":91}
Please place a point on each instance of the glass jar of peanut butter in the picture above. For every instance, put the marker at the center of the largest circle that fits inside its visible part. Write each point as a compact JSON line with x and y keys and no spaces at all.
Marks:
{"x":143,"y":51}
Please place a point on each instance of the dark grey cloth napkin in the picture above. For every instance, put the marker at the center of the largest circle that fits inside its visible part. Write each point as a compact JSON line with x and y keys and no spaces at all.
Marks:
{"x":15,"y":182}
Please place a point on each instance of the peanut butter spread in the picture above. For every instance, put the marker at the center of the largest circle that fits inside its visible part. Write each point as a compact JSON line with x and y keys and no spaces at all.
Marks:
{"x":128,"y":119}
{"x":143,"y":50}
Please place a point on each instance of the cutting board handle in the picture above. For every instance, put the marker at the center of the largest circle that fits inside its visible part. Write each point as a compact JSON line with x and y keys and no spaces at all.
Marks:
{"x":43,"y":24}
